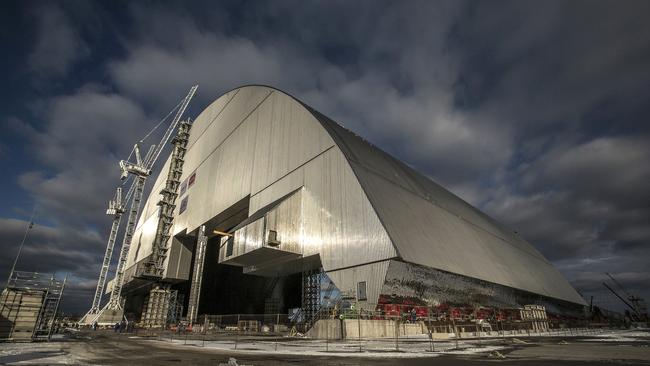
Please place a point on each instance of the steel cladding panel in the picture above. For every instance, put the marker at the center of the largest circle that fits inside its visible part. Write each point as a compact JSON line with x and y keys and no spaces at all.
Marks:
{"x":373,"y":274}
{"x":374,"y":160}
{"x":287,"y":221}
{"x":247,"y":239}
{"x":431,"y":226}
{"x":430,"y":235}
{"x":223,"y":176}
{"x":259,"y":141}
{"x":143,"y":237}
{"x":288,"y":136}
{"x":149,"y":205}
{"x":232,"y":115}
{"x":268,"y":152}
{"x":178,"y":261}
{"x":340,"y":223}
{"x":208,"y":116}
{"x":279,"y":188}
{"x":272,"y":140}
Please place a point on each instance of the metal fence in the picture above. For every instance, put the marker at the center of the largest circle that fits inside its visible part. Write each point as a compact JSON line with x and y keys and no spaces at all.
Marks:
{"x":278,"y":332}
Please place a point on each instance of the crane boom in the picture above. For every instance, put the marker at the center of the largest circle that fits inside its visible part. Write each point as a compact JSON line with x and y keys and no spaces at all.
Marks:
{"x":619,"y":285}
{"x":172,"y":126}
{"x":634,"y":311}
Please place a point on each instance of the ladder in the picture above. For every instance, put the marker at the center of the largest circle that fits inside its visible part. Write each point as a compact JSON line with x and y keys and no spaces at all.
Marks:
{"x":195,"y":287}
{"x":155,"y":266}
{"x":47,"y":316}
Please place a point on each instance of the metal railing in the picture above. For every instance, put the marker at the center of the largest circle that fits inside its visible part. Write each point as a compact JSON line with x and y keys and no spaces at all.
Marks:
{"x":277,"y":333}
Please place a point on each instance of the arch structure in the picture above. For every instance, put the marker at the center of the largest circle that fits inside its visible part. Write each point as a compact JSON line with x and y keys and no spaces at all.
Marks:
{"x":281,"y":190}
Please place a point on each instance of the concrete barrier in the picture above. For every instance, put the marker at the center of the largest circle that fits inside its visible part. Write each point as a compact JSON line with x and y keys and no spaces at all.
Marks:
{"x":353,"y":328}
{"x":326,"y":329}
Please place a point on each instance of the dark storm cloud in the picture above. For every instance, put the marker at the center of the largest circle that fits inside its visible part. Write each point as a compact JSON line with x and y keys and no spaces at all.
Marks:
{"x":535,"y":112}
{"x":58,"y":43}
{"x":49,"y":249}
{"x":82,"y":136}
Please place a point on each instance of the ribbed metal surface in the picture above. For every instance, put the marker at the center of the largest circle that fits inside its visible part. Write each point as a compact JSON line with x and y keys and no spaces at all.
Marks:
{"x":338,"y":222}
{"x":422,"y":285}
{"x":286,"y":220}
{"x":359,"y":205}
{"x":260,"y":142}
{"x":341,"y":224}
{"x":431,"y":226}
{"x":347,"y":281}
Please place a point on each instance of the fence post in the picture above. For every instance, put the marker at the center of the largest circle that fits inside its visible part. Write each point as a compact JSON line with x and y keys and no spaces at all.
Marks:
{"x":453,"y":322}
{"x":237,"y":332}
{"x":359,"y":325}
{"x":327,"y":336}
{"x":397,"y":334}
{"x":205,"y":329}
{"x":277,"y":326}
{"x":430,"y":332}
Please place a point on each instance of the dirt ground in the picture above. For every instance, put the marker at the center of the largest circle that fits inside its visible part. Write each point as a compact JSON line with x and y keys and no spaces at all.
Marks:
{"x":106,"y":348}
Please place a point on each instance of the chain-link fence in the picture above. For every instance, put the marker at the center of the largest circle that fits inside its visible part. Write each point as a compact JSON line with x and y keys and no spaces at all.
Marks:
{"x":360,"y":331}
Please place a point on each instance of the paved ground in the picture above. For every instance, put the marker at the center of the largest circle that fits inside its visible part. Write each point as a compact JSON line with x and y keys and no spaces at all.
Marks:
{"x":104,"y":348}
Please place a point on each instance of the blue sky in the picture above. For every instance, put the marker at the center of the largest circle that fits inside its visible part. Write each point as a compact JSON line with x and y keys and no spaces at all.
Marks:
{"x":535,"y":112}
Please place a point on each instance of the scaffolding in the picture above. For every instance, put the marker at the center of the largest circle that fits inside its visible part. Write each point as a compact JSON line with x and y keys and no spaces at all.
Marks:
{"x":162,"y":306}
{"x":311,"y":291}
{"x":154,"y":268}
{"x":29,"y":306}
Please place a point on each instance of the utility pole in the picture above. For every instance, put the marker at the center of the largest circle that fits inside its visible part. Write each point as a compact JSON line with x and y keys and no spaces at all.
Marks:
{"x":22,"y":243}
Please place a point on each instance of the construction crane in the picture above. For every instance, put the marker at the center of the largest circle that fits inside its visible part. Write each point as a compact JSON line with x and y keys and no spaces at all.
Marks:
{"x":636,"y":304}
{"x":140,"y":169}
{"x":116,"y":209}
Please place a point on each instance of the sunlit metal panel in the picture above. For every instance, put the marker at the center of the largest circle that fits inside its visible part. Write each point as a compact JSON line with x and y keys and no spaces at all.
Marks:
{"x":359,"y":205}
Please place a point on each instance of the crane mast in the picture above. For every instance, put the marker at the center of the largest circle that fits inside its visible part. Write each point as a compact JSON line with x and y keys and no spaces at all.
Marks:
{"x":115,"y":208}
{"x":115,"y":302}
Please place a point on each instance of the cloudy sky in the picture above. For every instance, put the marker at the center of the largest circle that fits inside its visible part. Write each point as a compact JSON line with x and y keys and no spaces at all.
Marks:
{"x":536,"y":112}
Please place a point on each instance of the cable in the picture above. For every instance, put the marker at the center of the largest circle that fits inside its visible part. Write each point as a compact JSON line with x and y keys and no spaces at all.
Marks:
{"x":161,"y":121}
